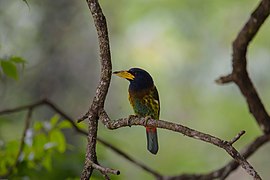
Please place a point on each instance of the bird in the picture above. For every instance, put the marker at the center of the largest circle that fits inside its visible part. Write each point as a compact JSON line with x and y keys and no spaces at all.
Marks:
{"x":143,"y":97}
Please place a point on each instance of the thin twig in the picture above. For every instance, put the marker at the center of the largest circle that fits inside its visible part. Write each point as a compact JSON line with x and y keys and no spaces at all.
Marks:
{"x":26,"y":127}
{"x":21,"y":108}
{"x":22,"y":143}
{"x":238,"y":136}
{"x":224,"y":79}
{"x":105,"y":169}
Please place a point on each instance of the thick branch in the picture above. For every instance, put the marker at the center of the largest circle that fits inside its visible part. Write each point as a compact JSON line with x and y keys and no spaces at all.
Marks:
{"x":105,"y":59}
{"x":239,"y":61}
{"x":133,"y":120}
{"x":102,"y":89}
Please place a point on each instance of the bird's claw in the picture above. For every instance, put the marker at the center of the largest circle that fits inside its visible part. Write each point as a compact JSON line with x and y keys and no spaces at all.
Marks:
{"x":146,"y":120}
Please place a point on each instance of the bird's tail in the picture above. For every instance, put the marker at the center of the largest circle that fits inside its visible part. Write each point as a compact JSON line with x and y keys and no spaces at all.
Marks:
{"x":152,"y":139}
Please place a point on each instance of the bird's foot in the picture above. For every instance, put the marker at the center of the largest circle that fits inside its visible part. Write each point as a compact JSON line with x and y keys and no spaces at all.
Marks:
{"x":129,"y":119}
{"x":146,"y":120}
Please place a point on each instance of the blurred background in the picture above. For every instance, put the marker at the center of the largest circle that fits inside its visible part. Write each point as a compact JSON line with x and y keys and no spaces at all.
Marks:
{"x":185,"y":45}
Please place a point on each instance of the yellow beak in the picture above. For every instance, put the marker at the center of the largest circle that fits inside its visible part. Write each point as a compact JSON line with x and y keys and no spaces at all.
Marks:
{"x":124,"y":74}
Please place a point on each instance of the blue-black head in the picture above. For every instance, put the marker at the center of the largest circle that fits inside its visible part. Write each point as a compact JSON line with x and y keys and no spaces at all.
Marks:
{"x":139,"y":79}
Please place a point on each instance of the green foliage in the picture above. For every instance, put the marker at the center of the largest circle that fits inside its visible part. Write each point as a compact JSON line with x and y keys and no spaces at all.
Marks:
{"x":9,"y":69}
{"x":18,"y":60}
{"x":9,"y":66}
{"x":41,"y":142}
{"x":7,"y":155}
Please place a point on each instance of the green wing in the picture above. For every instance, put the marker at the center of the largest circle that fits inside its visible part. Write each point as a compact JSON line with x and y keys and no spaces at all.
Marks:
{"x":146,"y":105}
{"x":156,"y":104}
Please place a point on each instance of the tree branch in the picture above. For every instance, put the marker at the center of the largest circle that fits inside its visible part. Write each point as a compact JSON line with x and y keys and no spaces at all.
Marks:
{"x":102,"y":89}
{"x":238,"y":136}
{"x":239,"y":73}
{"x":142,"y":121}
{"x":105,"y":170}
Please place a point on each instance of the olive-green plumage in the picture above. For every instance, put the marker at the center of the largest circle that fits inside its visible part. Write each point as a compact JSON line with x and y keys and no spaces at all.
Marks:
{"x":143,"y":97}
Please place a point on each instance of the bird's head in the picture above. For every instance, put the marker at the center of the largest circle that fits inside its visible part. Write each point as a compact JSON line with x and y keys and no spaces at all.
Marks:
{"x":139,"y":79}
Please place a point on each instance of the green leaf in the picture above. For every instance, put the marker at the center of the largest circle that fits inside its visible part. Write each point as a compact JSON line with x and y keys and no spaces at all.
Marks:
{"x":54,"y":120}
{"x":38,"y":126}
{"x":9,"y":69}
{"x":12,"y":148}
{"x":64,"y":124}
{"x":58,"y":137}
{"x":8,"y":155}
{"x":47,"y":162}
{"x":31,"y":164}
{"x":3,"y":167}
{"x":17,"y":60}
{"x":38,"y":145}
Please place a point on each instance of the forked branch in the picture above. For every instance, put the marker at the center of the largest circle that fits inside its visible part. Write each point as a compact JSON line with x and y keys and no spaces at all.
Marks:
{"x":239,"y":73}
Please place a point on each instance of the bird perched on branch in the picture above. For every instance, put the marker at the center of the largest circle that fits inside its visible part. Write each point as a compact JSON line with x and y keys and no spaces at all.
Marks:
{"x":143,"y":97}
